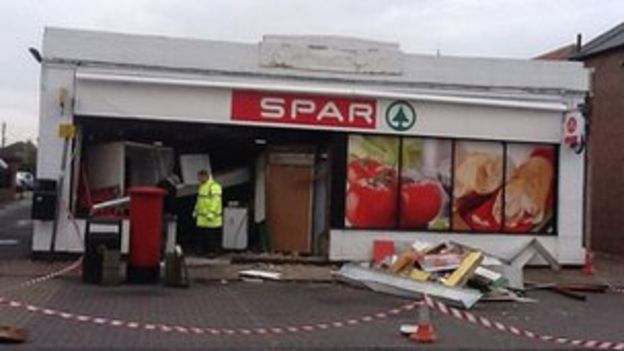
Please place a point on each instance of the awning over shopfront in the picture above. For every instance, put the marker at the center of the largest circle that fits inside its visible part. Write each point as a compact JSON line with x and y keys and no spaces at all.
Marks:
{"x":214,"y":100}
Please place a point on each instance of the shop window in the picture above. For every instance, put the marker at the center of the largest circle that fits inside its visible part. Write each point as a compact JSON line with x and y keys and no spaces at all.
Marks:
{"x":425,"y":184}
{"x":372,"y":182}
{"x":432,"y":184}
{"x":529,"y":189}
{"x":478,"y":179}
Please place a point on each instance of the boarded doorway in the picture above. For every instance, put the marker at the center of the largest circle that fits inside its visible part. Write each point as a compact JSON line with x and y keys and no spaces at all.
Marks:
{"x":290,"y":179}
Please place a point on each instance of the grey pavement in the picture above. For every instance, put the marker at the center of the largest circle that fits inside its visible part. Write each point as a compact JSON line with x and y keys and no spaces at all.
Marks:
{"x":263,"y":305}
{"x":15,"y":228}
{"x":231,"y":304}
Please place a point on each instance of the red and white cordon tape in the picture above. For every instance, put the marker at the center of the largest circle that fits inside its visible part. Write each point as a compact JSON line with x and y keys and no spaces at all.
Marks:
{"x":40,"y":279}
{"x":471,"y":318}
{"x":166,"y":328}
{"x":155,"y":326}
{"x":436,"y":305}
{"x":52,"y":275}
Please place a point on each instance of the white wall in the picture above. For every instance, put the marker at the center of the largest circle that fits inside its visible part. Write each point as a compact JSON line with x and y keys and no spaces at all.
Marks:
{"x":570,"y":206}
{"x":112,"y":99}
{"x":53,"y":78}
{"x":221,"y":56}
{"x":481,"y":122}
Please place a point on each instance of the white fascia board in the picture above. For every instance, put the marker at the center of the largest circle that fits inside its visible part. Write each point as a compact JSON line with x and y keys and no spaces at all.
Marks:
{"x":319,"y":89}
{"x":209,"y":56}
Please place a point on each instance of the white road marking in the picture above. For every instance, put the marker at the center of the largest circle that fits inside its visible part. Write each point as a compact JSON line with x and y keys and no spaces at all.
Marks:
{"x":8,"y":242}
{"x":23,"y":223}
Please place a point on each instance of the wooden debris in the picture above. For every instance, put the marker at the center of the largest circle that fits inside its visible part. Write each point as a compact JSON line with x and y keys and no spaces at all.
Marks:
{"x":405,"y":259}
{"x":439,"y":262}
{"x":12,"y":335}
{"x":468,"y":265}
{"x":417,"y":274}
{"x":571,"y":290}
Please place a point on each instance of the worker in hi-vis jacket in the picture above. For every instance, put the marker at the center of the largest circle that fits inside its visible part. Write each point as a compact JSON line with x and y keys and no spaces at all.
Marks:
{"x":208,"y":214}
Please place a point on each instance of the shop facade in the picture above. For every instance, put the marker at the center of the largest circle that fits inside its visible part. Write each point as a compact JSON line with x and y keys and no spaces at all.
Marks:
{"x":340,"y":141}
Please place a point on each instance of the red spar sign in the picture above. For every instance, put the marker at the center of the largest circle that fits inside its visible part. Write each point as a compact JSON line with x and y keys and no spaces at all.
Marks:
{"x":283,"y":108}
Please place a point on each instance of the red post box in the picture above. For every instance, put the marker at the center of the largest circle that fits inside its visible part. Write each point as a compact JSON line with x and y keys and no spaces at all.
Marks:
{"x":146,"y":211}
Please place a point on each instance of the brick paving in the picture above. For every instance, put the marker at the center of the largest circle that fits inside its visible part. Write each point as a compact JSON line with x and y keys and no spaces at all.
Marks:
{"x":305,"y":298}
{"x":15,"y":228}
{"x":212,"y":304}
{"x":202,"y":269}
{"x":231,"y":305}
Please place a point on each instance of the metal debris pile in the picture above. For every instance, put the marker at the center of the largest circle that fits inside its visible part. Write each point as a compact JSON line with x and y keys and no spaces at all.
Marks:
{"x":450,"y":271}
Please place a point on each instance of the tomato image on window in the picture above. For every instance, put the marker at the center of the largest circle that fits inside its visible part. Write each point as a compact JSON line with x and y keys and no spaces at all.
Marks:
{"x":421,"y":202}
{"x":363,"y":168}
{"x":425,"y":180}
{"x":371,"y":202}
{"x":372,"y":182}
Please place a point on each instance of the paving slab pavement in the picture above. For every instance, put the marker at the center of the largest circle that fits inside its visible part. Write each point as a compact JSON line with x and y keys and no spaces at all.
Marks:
{"x":15,"y":228}
{"x":240,"y":305}
{"x":305,"y":299}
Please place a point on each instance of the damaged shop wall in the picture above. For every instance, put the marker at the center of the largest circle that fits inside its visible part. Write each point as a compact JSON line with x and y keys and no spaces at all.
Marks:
{"x":333,"y":54}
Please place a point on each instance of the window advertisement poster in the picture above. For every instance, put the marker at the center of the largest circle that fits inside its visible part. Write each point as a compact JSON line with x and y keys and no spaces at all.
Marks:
{"x":425,"y":183}
{"x":529,"y":189}
{"x":478,"y":181}
{"x":464,"y":186}
{"x":372,"y":182}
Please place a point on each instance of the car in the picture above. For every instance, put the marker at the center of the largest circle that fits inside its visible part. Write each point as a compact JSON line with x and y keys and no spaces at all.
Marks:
{"x":24,"y":181}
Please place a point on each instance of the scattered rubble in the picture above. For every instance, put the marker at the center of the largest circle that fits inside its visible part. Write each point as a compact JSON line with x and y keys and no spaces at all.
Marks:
{"x":401,"y":285}
{"x":572,"y":291}
{"x":12,"y":335}
{"x":450,"y":271}
{"x":259,"y":274}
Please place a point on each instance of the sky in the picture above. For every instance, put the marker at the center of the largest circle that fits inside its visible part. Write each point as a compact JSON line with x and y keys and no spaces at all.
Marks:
{"x":489,"y":28}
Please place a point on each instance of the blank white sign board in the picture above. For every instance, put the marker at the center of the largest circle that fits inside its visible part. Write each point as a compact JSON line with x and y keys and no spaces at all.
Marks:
{"x":190,"y":164}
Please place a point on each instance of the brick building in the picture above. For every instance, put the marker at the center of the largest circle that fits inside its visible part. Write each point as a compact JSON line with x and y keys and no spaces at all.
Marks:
{"x":604,"y":55}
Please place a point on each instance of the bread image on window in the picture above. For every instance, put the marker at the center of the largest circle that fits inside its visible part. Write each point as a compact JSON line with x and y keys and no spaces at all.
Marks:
{"x":491,"y":197}
{"x":528,"y":193}
{"x":478,"y":177}
{"x":479,"y":174}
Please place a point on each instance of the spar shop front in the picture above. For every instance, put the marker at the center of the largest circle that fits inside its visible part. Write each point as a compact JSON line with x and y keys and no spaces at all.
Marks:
{"x":323,"y":144}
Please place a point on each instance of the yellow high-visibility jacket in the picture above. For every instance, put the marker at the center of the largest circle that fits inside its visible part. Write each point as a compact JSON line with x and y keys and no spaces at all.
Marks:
{"x":208,"y":208}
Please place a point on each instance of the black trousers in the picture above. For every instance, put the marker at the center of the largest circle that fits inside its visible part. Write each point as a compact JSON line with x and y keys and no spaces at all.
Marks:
{"x":208,"y":240}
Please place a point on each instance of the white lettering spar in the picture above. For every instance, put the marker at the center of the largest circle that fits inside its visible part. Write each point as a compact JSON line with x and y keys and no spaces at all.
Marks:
{"x":276,"y":108}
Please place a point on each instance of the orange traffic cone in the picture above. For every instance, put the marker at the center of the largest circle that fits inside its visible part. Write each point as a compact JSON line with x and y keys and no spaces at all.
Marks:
{"x":588,"y":266}
{"x":424,"y":333}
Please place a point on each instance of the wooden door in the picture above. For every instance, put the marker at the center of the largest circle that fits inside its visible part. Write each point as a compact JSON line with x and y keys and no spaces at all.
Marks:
{"x":289,"y":201}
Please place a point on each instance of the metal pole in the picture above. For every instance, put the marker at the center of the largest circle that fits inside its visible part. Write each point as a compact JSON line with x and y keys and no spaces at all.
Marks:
{"x":59,"y":194}
{"x":3,"y":134}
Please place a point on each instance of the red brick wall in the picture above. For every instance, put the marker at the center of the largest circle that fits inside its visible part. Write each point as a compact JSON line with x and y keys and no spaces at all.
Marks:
{"x":606,"y":153}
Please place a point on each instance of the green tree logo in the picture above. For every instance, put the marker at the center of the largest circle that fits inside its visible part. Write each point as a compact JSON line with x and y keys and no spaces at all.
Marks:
{"x":400,"y":116}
